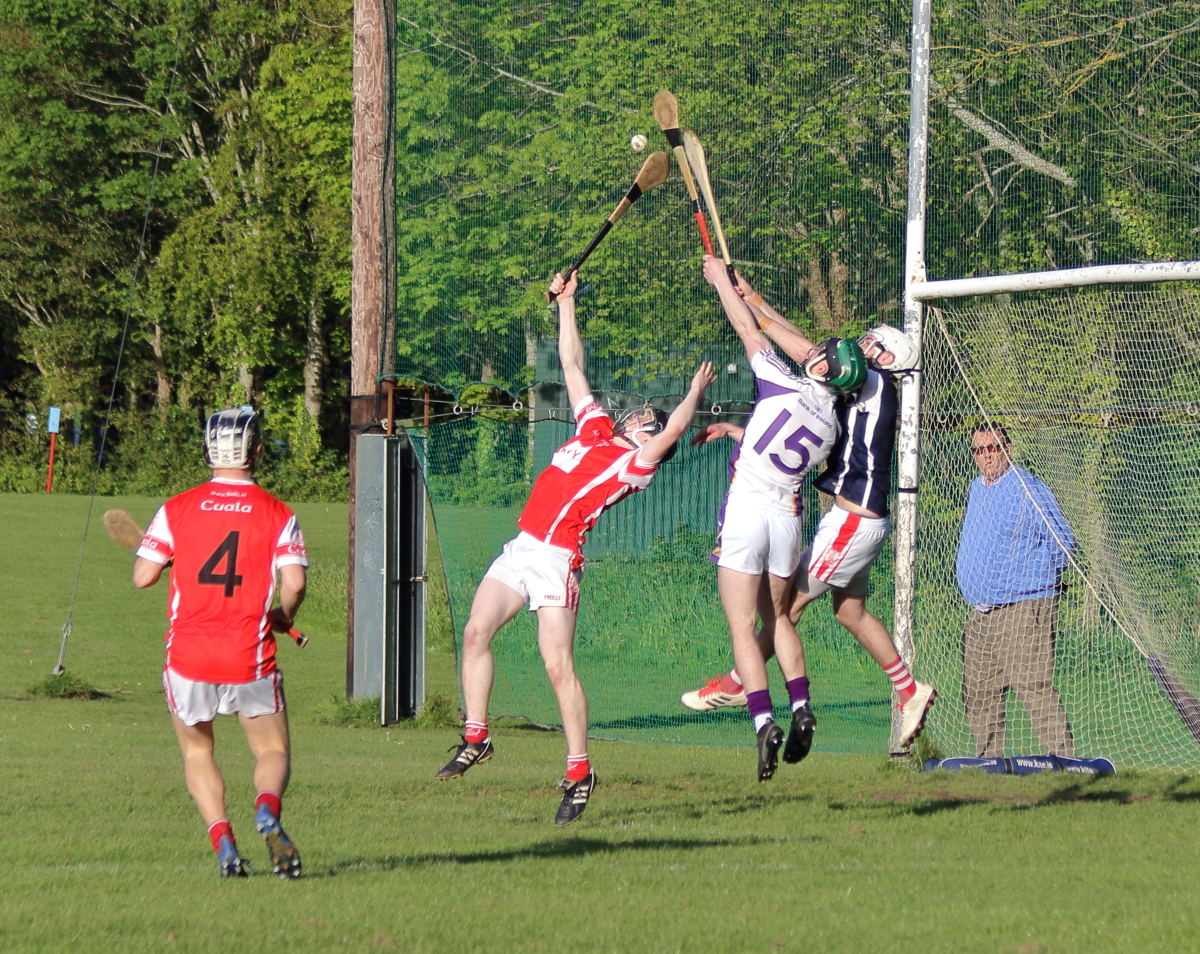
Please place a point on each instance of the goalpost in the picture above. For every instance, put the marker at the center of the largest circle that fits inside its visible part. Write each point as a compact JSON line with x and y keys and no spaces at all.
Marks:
{"x":1095,"y":374}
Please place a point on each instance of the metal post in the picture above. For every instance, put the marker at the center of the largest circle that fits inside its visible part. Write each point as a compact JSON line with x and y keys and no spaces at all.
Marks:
{"x":910,"y":392}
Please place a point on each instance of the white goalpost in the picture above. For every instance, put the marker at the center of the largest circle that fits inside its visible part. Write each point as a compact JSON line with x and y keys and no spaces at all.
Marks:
{"x":1094,"y":373}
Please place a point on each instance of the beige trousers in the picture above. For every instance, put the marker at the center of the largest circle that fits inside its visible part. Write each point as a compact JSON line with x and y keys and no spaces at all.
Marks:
{"x":1012,"y":647}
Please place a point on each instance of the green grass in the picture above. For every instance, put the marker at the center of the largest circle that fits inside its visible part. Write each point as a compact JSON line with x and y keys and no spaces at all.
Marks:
{"x":680,"y":850}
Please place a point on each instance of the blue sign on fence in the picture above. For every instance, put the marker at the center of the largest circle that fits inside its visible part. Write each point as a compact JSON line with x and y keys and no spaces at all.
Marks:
{"x":52,"y":420}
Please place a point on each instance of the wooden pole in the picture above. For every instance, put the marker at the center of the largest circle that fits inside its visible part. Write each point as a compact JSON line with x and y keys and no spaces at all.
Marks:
{"x":366,"y":290}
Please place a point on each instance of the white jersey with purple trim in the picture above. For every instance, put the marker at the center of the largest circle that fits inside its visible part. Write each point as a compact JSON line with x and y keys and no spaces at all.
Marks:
{"x":793,"y":428}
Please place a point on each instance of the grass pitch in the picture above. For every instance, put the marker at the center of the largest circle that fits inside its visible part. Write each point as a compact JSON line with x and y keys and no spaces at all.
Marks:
{"x":680,"y":849}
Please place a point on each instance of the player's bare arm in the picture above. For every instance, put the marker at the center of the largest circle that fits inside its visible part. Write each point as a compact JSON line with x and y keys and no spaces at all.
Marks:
{"x":146,"y":572}
{"x":681,"y":418}
{"x":570,"y":345}
{"x":714,"y":432}
{"x":293,"y":580}
{"x":736,"y":310}
{"x":791,"y":339}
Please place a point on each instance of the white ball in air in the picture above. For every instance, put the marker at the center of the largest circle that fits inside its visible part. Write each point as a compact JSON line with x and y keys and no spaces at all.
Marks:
{"x":638,"y":143}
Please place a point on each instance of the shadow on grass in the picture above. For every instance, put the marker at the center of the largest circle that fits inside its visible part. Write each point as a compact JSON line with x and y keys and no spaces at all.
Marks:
{"x":938,"y":805}
{"x":728,"y":716}
{"x":571,"y":848}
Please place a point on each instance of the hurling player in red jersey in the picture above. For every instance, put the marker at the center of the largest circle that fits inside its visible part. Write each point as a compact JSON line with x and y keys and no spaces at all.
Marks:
{"x":605,"y":462}
{"x":225,"y":541}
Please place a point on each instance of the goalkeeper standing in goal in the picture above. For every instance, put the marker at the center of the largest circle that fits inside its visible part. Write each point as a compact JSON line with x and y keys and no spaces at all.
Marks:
{"x":792,"y":429}
{"x":226,"y":539}
{"x":605,"y":462}
{"x":851,"y":533}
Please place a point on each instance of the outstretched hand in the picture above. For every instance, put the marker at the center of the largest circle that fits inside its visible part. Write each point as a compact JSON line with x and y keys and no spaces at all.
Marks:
{"x":564,"y":287}
{"x":743,"y":287}
{"x":704,"y":376}
{"x":714,"y":432}
{"x":715,"y":272}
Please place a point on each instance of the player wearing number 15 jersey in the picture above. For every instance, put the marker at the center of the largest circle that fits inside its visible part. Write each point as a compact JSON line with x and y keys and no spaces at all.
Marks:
{"x":225,"y":541}
{"x":791,"y":430}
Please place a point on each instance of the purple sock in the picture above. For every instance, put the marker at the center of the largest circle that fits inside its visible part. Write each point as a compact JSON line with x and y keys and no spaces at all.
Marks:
{"x":798,"y":691}
{"x":759,"y":705}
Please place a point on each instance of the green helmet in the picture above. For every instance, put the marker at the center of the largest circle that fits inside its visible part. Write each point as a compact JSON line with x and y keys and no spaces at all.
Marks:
{"x":846,"y":367}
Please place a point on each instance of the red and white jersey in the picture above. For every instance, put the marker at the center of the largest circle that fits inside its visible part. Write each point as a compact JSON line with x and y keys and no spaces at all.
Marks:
{"x":227,"y":538}
{"x":586,"y":476}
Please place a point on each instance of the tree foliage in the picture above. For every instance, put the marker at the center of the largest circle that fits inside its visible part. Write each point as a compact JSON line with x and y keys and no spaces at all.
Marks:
{"x":1062,"y":134}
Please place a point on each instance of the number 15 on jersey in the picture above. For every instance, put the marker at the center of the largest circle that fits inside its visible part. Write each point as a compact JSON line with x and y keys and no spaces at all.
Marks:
{"x":794,"y":442}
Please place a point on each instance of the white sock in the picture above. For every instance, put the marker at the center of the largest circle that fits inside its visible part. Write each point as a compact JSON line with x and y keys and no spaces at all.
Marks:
{"x":761,"y":720}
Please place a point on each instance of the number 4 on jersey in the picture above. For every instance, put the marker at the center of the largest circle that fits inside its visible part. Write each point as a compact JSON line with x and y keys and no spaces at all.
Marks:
{"x":227,"y":551}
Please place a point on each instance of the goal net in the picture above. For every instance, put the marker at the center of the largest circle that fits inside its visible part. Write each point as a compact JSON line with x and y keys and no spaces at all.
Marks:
{"x":1099,"y":391}
{"x":1045,"y":169}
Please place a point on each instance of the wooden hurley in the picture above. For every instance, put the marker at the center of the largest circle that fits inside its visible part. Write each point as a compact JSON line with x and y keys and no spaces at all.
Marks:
{"x":699,"y":164}
{"x":122,"y":530}
{"x":666,"y":114}
{"x":653,"y":172}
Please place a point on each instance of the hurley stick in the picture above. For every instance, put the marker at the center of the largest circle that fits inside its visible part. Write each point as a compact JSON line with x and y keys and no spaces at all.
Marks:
{"x":666,"y":113}
{"x":126,"y":534}
{"x":654,"y":171}
{"x":695,"y":156}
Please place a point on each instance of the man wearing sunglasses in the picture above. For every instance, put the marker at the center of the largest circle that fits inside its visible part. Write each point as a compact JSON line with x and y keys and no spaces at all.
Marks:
{"x":1014,"y":546}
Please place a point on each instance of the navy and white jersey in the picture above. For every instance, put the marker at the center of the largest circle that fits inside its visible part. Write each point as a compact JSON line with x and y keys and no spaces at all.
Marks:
{"x":792,"y":429}
{"x":860,"y":464}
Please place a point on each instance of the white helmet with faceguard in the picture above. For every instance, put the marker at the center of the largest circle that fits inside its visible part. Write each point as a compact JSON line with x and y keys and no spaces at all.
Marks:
{"x":905,"y":354}
{"x":233,"y":439}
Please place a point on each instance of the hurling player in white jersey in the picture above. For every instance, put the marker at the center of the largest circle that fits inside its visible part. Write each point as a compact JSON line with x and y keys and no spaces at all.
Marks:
{"x":852,"y":532}
{"x":605,"y":462}
{"x":792,"y":429}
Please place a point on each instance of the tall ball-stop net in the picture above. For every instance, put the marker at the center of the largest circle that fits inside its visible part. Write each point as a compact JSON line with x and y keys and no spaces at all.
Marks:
{"x":509,"y":145}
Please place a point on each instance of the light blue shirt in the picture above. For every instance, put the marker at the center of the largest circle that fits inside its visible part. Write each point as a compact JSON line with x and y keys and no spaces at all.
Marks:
{"x":1009,"y":551}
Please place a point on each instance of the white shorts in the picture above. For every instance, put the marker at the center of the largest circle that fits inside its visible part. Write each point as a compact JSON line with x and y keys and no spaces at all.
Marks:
{"x":842,"y":551}
{"x":752,"y":539}
{"x":196,"y":702}
{"x":540,"y":572}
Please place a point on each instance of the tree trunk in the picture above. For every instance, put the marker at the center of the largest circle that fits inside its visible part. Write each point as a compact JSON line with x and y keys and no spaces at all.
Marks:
{"x":246,"y":380}
{"x":162,"y":394}
{"x":839,"y":282}
{"x":818,"y":294}
{"x":314,"y":358}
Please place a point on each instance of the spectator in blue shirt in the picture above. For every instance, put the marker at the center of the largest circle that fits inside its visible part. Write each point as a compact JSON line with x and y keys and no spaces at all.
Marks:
{"x":1015,"y":544}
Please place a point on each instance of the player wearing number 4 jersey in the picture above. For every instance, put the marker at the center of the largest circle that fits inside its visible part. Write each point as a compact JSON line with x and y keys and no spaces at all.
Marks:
{"x":792,"y":429}
{"x":225,"y":542}
{"x":853,"y":531}
{"x":541,"y":568}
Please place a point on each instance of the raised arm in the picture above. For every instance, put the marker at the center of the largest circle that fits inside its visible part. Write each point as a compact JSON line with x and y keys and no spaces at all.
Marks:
{"x":570,"y":345}
{"x":656,"y":448}
{"x":793,"y":342}
{"x":736,"y":310}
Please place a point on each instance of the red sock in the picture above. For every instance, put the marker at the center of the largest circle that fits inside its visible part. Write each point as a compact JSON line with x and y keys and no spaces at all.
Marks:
{"x":731,"y":682}
{"x":476,"y":732}
{"x":272,"y":801}
{"x":578,"y":767}
{"x":218,"y":830}
{"x":902,"y":679}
